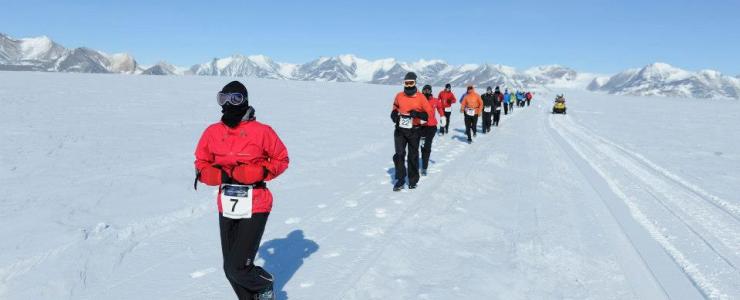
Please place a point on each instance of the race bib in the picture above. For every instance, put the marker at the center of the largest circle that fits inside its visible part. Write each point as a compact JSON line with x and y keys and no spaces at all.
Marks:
{"x":470,"y":111}
{"x":487,"y":108}
{"x":448,"y":109}
{"x":405,"y":122}
{"x":442,"y":121}
{"x":236,"y":201}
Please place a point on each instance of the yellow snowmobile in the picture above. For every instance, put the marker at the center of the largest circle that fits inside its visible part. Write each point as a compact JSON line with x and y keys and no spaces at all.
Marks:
{"x":559,"y":107}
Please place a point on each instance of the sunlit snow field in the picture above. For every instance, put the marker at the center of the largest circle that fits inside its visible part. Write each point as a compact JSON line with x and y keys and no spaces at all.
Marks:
{"x":622,"y":198}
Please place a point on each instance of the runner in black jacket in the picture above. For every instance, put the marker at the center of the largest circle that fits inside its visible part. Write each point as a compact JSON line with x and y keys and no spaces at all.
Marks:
{"x":498,"y":98}
{"x":488,"y":99}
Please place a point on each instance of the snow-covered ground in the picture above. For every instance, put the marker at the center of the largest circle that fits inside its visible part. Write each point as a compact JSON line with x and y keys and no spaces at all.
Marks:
{"x":623,"y":198}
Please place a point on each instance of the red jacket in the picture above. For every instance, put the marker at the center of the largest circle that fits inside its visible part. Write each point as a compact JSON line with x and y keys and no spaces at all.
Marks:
{"x":436,"y":107}
{"x":249,"y":143}
{"x":447,"y":98}
{"x":528,"y":96}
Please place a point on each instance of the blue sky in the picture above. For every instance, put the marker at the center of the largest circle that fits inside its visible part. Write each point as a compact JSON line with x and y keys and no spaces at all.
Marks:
{"x":597,"y":36}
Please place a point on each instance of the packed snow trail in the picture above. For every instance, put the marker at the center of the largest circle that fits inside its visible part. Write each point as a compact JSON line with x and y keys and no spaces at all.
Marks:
{"x":482,"y":228}
{"x":512,"y":216}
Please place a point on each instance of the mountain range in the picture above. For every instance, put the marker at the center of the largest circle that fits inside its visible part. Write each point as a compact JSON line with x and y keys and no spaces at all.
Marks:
{"x":658,"y":79}
{"x":661,"y":79}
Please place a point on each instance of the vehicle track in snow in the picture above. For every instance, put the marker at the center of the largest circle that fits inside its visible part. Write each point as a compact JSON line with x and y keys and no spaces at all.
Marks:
{"x":699,"y":231}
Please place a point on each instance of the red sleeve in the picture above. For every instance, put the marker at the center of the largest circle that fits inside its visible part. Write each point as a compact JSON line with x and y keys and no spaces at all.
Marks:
{"x":440,"y":108}
{"x":426,"y":107}
{"x":203,"y":156}
{"x":453,"y":98}
{"x":395,"y":104}
{"x":277,"y":154}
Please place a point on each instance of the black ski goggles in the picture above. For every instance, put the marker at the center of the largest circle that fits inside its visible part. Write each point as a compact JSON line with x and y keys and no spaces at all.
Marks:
{"x":231,"y":98}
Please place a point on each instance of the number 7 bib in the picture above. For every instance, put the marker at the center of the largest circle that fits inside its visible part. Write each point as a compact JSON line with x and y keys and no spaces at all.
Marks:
{"x":236,"y":201}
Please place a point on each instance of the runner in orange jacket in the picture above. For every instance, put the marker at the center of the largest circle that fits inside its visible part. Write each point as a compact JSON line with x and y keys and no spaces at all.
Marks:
{"x":410,"y":110}
{"x":471,"y":106}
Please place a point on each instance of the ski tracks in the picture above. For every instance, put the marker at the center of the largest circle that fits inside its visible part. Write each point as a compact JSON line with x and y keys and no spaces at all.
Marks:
{"x":700,"y":231}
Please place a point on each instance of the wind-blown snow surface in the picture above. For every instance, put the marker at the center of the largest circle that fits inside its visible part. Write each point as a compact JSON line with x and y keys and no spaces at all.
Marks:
{"x":622,"y":198}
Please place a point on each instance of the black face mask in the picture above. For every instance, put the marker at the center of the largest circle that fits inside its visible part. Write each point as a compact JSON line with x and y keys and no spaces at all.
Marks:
{"x":233,"y":115}
{"x":409,"y":91}
{"x":428,"y":95}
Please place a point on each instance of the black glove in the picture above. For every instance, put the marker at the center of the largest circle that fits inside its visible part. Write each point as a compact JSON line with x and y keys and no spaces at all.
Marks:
{"x":394,"y":116}
{"x":420,"y":115}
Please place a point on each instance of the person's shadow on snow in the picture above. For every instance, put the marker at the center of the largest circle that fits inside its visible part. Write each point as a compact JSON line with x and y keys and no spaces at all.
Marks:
{"x":283,"y":257}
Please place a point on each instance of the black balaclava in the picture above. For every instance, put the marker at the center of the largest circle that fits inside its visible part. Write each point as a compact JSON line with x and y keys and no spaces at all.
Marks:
{"x":410,"y":91}
{"x":448,"y":86}
{"x":427,"y":91}
{"x":233,"y":114}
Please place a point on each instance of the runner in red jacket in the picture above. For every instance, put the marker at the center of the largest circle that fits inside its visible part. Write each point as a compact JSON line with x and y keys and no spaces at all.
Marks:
{"x":239,"y":155}
{"x":447,"y":98}
{"x":429,"y":130}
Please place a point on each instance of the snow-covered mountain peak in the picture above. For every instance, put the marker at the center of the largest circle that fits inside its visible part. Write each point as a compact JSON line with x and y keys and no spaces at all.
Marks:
{"x":661,"y":79}
{"x":122,"y":63}
{"x":468,"y":67}
{"x":663,"y":71}
{"x":350,"y":59}
{"x":33,"y":48}
{"x":423,"y":63}
{"x":161,"y":68}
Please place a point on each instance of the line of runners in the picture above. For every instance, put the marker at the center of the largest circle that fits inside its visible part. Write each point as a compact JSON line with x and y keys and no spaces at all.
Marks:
{"x":417,"y":115}
{"x":240,"y":155}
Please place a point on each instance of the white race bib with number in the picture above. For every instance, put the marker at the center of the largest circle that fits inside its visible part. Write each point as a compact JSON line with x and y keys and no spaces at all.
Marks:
{"x":236,"y":201}
{"x":487,"y":109}
{"x":448,"y":109}
{"x":470,"y":111}
{"x":442,"y":121}
{"x":405,"y":122}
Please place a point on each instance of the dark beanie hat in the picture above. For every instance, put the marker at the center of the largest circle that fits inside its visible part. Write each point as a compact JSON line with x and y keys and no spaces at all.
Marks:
{"x":236,"y":87}
{"x":488,"y":89}
{"x":410,"y":76}
{"x":447,"y":86}
{"x":497,"y":89}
